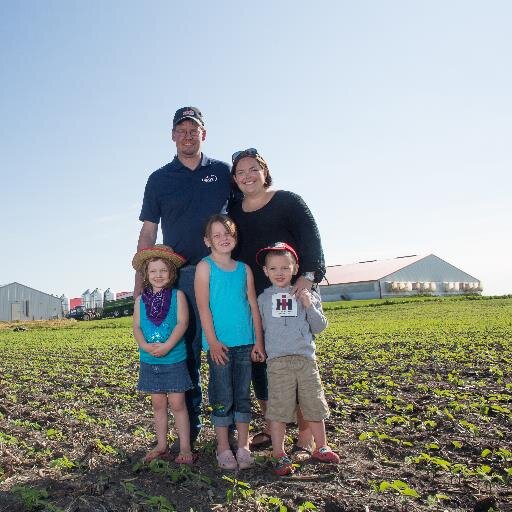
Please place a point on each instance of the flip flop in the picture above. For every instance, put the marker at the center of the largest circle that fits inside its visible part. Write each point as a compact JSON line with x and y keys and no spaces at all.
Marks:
{"x":266,"y":443}
{"x":299,"y":453}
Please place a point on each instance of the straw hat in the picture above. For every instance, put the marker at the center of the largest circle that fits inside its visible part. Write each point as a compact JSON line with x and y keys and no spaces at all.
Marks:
{"x":160,"y":251}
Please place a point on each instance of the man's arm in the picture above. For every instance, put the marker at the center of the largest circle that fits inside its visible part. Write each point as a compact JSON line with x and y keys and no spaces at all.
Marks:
{"x":147,"y":238}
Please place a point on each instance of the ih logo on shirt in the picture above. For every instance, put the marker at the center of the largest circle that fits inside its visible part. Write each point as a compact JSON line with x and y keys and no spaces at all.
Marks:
{"x":283,"y":304}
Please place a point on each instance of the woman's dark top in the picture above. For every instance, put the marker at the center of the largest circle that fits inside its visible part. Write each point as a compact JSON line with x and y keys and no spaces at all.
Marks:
{"x":285,"y":218}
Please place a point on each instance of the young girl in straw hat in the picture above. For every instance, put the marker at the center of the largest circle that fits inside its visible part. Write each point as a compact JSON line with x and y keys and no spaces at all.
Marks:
{"x":160,"y":319}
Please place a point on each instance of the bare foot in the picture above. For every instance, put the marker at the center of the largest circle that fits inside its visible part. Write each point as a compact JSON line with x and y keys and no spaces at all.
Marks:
{"x":185,"y":458}
{"x":156,"y":453}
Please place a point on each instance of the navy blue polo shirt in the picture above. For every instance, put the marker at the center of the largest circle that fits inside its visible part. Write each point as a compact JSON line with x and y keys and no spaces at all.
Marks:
{"x":182,"y":200}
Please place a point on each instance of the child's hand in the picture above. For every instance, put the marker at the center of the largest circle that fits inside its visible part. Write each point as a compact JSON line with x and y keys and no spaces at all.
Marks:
{"x":159,"y":350}
{"x":258,"y":354}
{"x":149,"y":348}
{"x":218,"y":353}
{"x":305,"y":297}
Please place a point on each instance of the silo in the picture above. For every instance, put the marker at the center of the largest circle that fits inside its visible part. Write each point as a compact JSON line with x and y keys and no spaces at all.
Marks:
{"x":109,"y":295}
{"x":65,"y":304}
{"x":86,"y":298}
{"x":97,"y":298}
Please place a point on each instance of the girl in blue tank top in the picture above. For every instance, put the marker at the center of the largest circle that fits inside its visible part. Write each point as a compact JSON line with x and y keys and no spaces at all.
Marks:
{"x":160,"y":319}
{"x":232,"y":336}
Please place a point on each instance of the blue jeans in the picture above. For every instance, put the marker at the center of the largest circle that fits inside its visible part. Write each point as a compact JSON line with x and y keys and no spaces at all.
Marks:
{"x":193,"y":341}
{"x":229,"y":388}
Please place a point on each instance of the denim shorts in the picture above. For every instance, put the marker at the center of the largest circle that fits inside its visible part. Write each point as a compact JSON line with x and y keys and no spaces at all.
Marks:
{"x":229,"y":388}
{"x":164,"y":378}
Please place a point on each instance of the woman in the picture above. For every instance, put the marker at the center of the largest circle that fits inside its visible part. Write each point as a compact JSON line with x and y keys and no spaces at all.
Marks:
{"x":265,"y":216}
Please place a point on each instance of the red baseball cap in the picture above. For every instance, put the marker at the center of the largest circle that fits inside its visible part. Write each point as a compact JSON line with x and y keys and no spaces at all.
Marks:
{"x":278,"y":246}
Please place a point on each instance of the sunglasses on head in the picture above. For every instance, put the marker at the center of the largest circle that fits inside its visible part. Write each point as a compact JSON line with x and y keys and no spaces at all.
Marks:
{"x":244,"y":152}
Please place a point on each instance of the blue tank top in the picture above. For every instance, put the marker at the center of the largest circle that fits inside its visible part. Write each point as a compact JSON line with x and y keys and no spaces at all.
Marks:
{"x":160,"y":333}
{"x":231,"y":313}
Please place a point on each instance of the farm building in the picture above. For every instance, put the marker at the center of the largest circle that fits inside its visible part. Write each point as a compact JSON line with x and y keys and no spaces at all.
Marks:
{"x":401,"y":276}
{"x":20,"y":302}
{"x":74,"y":302}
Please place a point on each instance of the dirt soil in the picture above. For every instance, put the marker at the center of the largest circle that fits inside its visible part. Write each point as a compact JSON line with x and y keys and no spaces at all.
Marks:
{"x":72,"y":436}
{"x":111,"y":482}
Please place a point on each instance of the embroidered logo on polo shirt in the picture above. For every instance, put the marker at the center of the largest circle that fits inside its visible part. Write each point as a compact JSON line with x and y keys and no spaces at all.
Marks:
{"x":210,"y":178}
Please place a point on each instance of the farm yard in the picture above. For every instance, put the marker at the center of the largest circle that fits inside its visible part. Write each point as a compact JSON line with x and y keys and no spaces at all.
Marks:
{"x":421,"y":412}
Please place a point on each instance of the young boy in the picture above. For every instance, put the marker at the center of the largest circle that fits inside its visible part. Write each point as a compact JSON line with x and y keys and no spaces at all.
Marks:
{"x":289,"y":324}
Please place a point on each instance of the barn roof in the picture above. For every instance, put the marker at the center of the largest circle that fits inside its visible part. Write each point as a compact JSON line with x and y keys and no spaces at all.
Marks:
{"x":367,"y":270}
{"x":29,"y":288}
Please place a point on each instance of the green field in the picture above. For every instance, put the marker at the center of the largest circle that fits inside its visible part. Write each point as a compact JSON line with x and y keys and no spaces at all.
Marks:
{"x":420,"y":395}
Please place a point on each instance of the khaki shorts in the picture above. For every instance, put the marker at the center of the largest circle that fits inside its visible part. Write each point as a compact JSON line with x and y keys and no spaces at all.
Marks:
{"x":293,"y":379}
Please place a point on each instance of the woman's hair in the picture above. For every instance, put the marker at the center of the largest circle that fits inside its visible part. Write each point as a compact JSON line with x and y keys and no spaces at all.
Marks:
{"x":170,"y":266}
{"x":261,"y":162}
{"x":226,"y":221}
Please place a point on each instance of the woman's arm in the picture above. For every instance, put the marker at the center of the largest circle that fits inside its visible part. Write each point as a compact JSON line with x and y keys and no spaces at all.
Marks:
{"x":309,"y":245}
{"x":308,"y":236}
{"x":258,"y":352}
{"x":202,"y":291}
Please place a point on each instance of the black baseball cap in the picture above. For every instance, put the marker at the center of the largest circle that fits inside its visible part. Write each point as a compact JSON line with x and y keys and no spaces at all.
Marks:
{"x":183,"y":113}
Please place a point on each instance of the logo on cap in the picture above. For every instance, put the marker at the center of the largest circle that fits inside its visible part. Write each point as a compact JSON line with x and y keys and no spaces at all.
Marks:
{"x":187,"y":113}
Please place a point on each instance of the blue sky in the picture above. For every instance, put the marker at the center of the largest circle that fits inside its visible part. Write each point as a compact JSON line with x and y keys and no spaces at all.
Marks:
{"x":392,"y":119}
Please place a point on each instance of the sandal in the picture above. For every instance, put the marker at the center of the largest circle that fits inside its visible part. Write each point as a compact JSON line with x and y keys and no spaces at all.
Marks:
{"x":298,"y":453}
{"x":185,"y":458}
{"x":244,"y":458}
{"x":283,"y":465}
{"x":226,"y":460}
{"x":155,"y":453}
{"x":325,"y":454}
{"x":266,"y":443}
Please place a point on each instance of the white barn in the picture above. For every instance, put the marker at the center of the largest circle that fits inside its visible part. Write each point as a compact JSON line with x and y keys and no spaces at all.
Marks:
{"x":401,"y":276}
{"x":20,"y":302}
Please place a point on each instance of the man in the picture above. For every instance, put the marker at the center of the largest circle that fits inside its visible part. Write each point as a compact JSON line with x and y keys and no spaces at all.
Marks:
{"x":181,"y":196}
